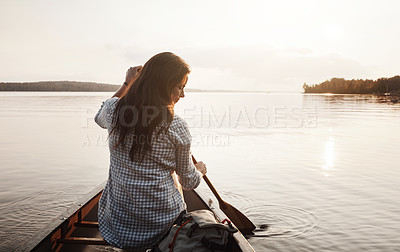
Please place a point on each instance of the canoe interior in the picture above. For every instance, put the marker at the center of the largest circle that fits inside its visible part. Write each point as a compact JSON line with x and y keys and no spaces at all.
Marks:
{"x":79,"y":231}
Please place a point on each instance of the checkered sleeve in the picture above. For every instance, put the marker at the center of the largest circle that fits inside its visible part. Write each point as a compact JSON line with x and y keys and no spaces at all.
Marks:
{"x":104,"y":115}
{"x":187,"y":173}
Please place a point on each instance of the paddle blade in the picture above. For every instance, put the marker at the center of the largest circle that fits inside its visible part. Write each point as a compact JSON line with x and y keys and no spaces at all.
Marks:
{"x":240,"y":220}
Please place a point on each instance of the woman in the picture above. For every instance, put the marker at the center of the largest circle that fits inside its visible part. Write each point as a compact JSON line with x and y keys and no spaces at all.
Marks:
{"x":147,"y":144}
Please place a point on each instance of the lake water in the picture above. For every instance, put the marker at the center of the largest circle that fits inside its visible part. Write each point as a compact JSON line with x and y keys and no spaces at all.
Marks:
{"x":321,"y":170}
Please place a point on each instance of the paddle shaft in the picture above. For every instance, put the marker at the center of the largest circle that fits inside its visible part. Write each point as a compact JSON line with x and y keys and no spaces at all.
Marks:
{"x":220,"y":201}
{"x":240,"y":220}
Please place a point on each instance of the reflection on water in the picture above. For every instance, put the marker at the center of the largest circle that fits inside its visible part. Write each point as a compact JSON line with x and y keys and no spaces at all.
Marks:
{"x":329,"y":155}
{"x":313,"y":172}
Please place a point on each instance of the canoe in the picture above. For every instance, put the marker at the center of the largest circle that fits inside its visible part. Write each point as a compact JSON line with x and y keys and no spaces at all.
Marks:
{"x":77,"y":228}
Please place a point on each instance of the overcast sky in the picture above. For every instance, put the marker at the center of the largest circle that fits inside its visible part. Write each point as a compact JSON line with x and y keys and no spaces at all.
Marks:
{"x":247,"y":45}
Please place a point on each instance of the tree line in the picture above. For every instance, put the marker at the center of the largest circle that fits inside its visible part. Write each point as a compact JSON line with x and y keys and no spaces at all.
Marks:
{"x":342,"y":86}
{"x":58,"y":86}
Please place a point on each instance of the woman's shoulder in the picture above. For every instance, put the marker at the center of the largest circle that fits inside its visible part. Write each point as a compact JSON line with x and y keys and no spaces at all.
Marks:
{"x":179,"y":128}
{"x":179,"y":122}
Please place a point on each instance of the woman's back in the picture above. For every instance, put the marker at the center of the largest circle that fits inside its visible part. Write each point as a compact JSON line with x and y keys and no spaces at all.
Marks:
{"x":140,"y":201}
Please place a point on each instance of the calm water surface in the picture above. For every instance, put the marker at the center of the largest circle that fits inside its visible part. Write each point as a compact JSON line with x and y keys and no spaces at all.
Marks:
{"x":322,"y":171}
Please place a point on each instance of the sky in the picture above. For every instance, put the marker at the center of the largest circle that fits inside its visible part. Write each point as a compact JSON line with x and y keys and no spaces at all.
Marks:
{"x":237,"y":44}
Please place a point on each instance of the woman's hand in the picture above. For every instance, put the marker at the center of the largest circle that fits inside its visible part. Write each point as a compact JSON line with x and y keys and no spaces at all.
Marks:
{"x":132,"y":73}
{"x":201,"y":167}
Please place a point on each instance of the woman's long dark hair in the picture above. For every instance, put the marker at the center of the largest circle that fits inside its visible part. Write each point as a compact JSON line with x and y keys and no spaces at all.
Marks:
{"x":147,"y":103}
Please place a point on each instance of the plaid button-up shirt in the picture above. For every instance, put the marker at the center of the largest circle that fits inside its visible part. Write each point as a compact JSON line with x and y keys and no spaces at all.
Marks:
{"x":140,"y":201}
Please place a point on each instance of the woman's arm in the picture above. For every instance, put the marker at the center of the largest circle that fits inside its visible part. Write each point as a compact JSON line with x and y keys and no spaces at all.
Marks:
{"x":131,"y":75}
{"x":189,"y":175}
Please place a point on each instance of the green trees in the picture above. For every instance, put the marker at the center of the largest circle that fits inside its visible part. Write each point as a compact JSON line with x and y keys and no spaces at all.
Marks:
{"x":342,"y":86}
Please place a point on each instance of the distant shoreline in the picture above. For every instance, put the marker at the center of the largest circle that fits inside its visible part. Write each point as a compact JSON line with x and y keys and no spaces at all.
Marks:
{"x":382,"y":86}
{"x":58,"y":86}
{"x":78,"y":86}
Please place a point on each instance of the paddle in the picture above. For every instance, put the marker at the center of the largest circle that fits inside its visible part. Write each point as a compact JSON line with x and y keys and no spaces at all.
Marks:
{"x":240,"y":220}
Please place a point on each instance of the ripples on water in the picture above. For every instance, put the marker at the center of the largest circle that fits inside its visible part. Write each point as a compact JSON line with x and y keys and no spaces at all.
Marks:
{"x":321,"y":174}
{"x":282,"y":221}
{"x":274,"y":220}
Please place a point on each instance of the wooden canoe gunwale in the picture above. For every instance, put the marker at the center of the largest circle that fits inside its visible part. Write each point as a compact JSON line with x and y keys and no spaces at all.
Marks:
{"x":57,"y":233}
{"x":64,"y":224}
